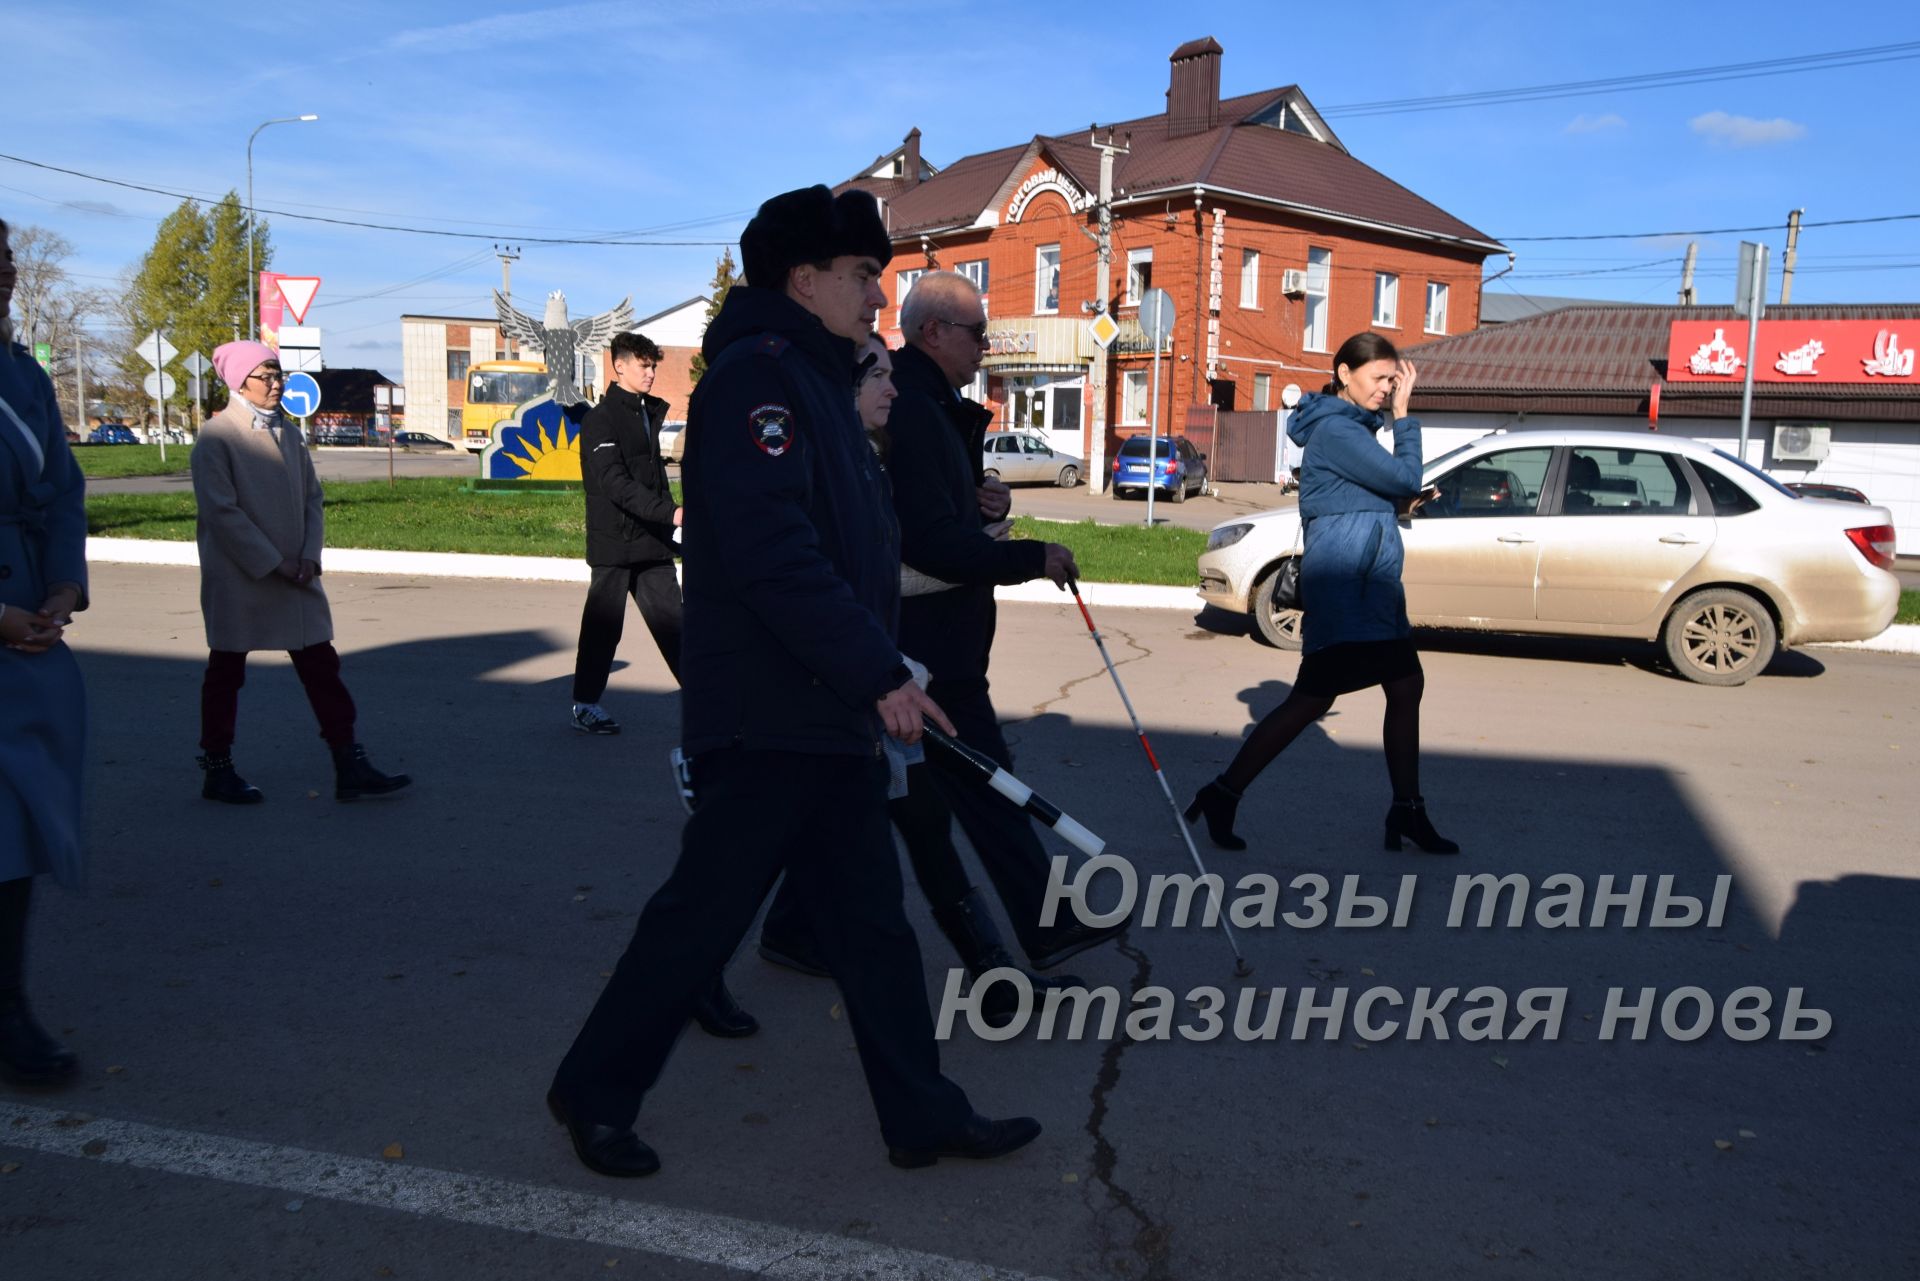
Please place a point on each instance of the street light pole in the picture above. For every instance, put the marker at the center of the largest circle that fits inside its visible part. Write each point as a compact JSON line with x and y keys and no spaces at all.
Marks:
{"x":253,"y":280}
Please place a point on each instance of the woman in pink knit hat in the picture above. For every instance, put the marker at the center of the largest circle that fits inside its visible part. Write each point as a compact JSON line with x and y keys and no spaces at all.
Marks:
{"x":260,"y":533}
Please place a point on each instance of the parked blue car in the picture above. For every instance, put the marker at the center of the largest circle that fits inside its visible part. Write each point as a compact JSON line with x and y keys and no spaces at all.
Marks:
{"x":1176,"y":469}
{"x":112,"y":434}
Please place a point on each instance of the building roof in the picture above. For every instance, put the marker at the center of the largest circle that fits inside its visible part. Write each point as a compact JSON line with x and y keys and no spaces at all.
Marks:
{"x":1599,"y":358}
{"x":1498,"y":307}
{"x":1253,"y":151}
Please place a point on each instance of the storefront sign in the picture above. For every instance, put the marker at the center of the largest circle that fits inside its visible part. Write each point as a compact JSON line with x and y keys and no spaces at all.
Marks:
{"x":1040,"y":180}
{"x":1011,"y":342}
{"x":1793,"y":351}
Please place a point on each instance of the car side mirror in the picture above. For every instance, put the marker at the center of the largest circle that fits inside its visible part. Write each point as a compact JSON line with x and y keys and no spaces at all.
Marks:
{"x":1203,"y":458}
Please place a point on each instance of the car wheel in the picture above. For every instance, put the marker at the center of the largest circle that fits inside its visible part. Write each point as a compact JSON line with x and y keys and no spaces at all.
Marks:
{"x":1279,"y":628}
{"x":1720,"y":636}
{"x":1069,"y":477}
{"x":1179,"y":492}
{"x":991,"y":474}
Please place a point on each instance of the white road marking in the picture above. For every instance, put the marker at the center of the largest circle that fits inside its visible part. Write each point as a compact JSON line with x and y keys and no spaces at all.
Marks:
{"x":741,"y":1244}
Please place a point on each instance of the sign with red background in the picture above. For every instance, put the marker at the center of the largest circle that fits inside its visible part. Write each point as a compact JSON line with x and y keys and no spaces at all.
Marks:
{"x":1794,"y":351}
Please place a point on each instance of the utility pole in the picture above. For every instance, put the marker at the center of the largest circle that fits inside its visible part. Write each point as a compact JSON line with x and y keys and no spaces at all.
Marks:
{"x":508,"y":255}
{"x":1686,"y":274}
{"x":1097,"y":450}
{"x":79,"y":388}
{"x":1787,"y":260}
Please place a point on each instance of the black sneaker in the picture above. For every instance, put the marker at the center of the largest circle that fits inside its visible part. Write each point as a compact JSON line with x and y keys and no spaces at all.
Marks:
{"x":591,"y":718}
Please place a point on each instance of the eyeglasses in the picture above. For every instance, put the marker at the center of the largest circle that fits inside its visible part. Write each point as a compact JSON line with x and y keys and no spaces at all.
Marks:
{"x":978,"y":332}
{"x":271,"y":376}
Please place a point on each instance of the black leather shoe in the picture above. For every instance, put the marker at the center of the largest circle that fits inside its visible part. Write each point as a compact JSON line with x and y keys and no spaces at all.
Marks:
{"x":718,"y":1014}
{"x":355,"y":777}
{"x":223,"y":782}
{"x":1072,"y":939}
{"x":979,"y":1139}
{"x":794,"y":954}
{"x":27,"y":1052}
{"x":616,"y":1153}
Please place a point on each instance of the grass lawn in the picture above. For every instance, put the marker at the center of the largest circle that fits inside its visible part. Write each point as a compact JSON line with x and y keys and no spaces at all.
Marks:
{"x":433,"y":514}
{"x":113,"y":462}
{"x":1909,"y":608}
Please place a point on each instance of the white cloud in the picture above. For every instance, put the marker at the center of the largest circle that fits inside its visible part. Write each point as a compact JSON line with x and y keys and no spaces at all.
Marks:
{"x":1744,"y":131}
{"x":1584,"y":123}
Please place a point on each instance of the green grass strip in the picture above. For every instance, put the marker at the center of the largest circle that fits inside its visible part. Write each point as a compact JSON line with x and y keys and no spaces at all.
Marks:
{"x":117,"y":462}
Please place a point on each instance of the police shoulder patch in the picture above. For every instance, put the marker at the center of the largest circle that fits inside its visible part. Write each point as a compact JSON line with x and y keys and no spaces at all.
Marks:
{"x":771,"y":427}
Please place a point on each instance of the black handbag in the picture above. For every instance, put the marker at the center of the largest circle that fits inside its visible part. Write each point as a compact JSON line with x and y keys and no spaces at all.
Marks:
{"x":1286,"y":583}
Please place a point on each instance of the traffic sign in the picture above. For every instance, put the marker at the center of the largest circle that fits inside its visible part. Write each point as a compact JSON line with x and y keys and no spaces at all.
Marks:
{"x":43,"y":352}
{"x":1156,"y":315}
{"x":156,"y":350}
{"x":196,"y":388}
{"x":299,"y":292}
{"x":197,"y":365}
{"x":302,"y":396}
{"x":1103,"y":330}
{"x":159,"y":385}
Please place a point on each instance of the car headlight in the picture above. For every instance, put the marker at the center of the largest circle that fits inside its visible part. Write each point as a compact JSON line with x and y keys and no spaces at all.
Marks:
{"x":1227,"y":536}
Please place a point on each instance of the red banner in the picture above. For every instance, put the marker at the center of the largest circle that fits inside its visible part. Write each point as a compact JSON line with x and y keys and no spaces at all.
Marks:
{"x":1794,"y":351}
{"x":272,"y":309}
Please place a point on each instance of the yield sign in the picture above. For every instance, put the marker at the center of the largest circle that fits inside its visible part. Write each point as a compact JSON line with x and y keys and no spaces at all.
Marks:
{"x":299,"y":292}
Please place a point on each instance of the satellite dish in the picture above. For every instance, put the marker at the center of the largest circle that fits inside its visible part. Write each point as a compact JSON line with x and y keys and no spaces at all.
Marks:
{"x":1290,"y":395}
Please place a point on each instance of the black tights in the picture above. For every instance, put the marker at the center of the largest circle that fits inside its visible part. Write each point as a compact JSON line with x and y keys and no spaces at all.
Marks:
{"x":1279,"y":727}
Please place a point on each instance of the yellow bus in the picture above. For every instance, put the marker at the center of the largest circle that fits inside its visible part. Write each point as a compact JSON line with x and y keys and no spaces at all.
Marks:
{"x":494,"y":389}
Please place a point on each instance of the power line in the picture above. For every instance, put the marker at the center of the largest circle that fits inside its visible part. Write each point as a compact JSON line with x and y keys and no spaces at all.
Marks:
{"x":1650,"y":80}
{"x":1710,"y":231}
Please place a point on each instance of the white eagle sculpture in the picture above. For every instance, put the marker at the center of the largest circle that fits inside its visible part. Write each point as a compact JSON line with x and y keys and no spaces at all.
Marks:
{"x":559,"y":340}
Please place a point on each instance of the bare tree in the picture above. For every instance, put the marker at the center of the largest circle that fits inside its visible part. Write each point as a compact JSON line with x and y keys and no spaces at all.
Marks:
{"x":53,"y":310}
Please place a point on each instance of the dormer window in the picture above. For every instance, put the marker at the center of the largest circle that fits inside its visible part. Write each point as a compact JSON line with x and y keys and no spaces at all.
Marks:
{"x":1284,"y":116}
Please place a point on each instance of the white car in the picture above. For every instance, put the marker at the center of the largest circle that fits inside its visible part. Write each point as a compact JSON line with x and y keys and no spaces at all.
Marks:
{"x":1016,"y":456}
{"x":673,"y":440}
{"x":1606,"y":533}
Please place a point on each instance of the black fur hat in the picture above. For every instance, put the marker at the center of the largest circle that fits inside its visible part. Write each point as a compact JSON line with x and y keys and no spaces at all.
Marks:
{"x":810,"y":225}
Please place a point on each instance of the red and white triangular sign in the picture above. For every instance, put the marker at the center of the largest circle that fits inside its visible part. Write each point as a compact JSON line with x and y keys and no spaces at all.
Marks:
{"x":299,"y":292}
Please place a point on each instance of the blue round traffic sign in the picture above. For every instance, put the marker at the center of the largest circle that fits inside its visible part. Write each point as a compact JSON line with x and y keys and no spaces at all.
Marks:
{"x":302,"y":396}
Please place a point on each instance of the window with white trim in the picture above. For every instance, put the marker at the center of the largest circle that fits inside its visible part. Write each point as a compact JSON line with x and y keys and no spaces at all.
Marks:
{"x":1386,"y":300}
{"x":1436,"y":307}
{"x":1313,"y":331}
{"x":1249,"y":277}
{"x":1133,"y":398}
{"x":904,"y":282}
{"x":976,"y":271}
{"x":1139,"y":275}
{"x":1263,"y":391}
{"x":1046,"y":280}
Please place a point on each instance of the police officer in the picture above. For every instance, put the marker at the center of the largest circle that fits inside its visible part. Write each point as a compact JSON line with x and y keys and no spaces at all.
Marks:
{"x":790,"y":679}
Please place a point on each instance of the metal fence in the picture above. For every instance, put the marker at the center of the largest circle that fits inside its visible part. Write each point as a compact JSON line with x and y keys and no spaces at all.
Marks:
{"x":1239,"y":446}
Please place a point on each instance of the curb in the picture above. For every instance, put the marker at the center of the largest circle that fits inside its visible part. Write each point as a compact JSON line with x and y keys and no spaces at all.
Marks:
{"x":1901,"y":638}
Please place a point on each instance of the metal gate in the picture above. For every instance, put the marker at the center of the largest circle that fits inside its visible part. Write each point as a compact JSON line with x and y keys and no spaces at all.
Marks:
{"x":1239,"y":446}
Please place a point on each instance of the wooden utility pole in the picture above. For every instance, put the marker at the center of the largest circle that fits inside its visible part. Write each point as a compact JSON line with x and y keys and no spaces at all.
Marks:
{"x":1787,"y":260}
{"x":1103,"y":359}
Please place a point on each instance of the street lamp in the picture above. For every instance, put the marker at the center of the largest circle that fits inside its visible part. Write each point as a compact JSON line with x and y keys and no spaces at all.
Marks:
{"x":253,"y":279}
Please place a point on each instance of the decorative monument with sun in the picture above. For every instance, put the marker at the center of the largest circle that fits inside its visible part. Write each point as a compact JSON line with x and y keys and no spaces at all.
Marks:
{"x":541,"y":441}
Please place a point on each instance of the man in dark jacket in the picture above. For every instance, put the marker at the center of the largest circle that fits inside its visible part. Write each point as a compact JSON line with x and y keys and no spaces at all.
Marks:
{"x":631,"y":519}
{"x":791,"y":679}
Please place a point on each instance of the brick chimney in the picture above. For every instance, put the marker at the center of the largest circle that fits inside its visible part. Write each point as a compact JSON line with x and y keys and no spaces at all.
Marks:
{"x":1193,"y":92}
{"x":913,"y":157}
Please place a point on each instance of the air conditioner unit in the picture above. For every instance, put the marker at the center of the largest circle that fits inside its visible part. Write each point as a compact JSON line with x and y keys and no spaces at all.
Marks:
{"x":1800,"y":442}
{"x":1293,"y":282}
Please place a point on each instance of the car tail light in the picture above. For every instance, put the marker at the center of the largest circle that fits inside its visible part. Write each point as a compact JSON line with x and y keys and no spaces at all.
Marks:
{"x":1875,"y":543}
{"x":1173,"y":465}
{"x":1116,"y":464}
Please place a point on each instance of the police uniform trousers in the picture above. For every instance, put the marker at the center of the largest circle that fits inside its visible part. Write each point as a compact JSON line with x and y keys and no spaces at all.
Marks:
{"x":942,"y":790}
{"x":823,"y":820}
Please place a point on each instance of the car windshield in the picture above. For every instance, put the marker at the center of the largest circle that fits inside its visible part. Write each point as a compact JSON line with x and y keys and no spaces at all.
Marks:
{"x":1433,"y":463}
{"x":504,"y":387}
{"x":1137,"y":447}
{"x":1757,"y":474}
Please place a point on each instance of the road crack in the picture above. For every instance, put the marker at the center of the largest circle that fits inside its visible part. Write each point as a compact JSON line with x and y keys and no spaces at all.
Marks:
{"x":1147,"y":1238}
{"x":1041,"y":708}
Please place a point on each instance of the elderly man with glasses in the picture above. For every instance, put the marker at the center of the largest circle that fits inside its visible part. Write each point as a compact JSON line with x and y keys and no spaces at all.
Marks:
{"x":260,"y":533}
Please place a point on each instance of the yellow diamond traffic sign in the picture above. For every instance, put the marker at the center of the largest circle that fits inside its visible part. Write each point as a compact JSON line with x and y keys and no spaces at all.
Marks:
{"x":1104,"y":330}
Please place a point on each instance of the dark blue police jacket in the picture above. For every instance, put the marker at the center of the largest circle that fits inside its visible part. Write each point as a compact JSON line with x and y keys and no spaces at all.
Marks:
{"x":792,"y":565}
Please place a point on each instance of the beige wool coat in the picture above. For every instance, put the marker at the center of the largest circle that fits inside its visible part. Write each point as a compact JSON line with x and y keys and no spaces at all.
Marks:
{"x":259,"y":505}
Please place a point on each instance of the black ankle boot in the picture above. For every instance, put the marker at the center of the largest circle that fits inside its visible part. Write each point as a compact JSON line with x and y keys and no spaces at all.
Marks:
{"x":354,"y":776}
{"x":1409,"y":819}
{"x":718,"y":1014}
{"x":223,"y":782}
{"x":1219,"y":803}
{"x":971,"y":930}
{"x":27,"y":1052}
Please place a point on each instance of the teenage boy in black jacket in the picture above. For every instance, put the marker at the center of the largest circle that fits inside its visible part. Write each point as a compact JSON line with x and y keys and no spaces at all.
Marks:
{"x":631,"y":518}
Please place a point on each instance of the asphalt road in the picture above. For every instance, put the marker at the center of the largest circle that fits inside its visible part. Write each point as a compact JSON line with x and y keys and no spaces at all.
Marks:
{"x":266,"y":999}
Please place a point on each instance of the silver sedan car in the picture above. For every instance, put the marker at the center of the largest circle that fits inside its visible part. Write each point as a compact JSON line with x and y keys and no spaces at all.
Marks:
{"x":1016,"y":456}
{"x":1604,"y":533}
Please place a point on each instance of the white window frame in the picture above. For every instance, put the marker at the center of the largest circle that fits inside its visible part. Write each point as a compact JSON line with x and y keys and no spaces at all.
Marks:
{"x":1437,"y":292}
{"x":1315,"y":301}
{"x":1262,"y":392}
{"x":1040,"y":269}
{"x":1135,"y":258}
{"x":903,"y":283}
{"x":1130,"y":379}
{"x":975,"y":269}
{"x":1250,"y":279}
{"x":1386,"y":300}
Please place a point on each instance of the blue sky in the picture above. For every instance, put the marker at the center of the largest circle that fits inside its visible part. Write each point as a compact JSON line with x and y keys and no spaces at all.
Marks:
{"x":623,"y":117}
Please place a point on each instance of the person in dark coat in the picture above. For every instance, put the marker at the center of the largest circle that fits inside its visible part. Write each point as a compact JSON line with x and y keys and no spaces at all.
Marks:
{"x":43,"y":702}
{"x":943,"y":501}
{"x":791,"y":679}
{"x":1353,"y":607}
{"x":631,"y":521}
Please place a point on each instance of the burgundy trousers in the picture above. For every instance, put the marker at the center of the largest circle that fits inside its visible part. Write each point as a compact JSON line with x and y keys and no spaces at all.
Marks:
{"x":318,"y":667}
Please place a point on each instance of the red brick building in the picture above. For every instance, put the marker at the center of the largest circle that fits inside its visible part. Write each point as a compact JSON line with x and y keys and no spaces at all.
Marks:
{"x":1273,"y":242}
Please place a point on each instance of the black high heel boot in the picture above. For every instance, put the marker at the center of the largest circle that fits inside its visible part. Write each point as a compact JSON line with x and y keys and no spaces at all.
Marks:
{"x":1409,"y":819}
{"x":1219,"y":803}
